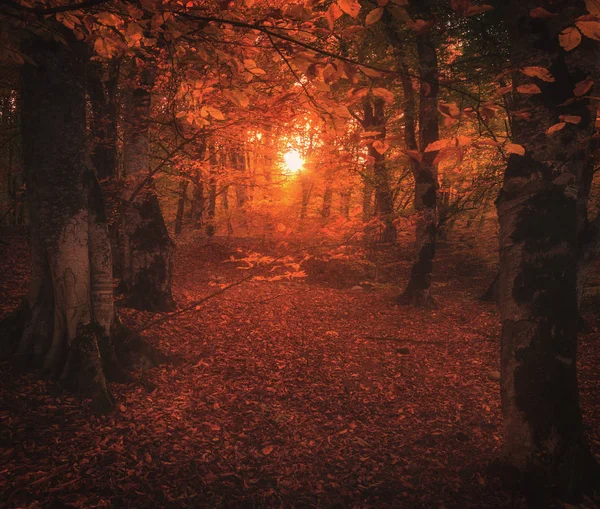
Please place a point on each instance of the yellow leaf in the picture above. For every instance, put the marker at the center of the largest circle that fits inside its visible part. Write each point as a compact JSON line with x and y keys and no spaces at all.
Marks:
{"x":515,"y":148}
{"x":374,"y":16}
{"x":529,"y":89}
{"x":538,"y":72}
{"x":590,"y":29}
{"x":583,"y":87}
{"x":380,"y":146}
{"x":556,"y":127}
{"x":569,"y":38}
{"x":350,"y":7}
{"x":570,"y":119}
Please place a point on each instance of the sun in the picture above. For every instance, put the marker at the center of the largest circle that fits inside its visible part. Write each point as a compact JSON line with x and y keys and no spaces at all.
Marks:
{"x":293,"y":160}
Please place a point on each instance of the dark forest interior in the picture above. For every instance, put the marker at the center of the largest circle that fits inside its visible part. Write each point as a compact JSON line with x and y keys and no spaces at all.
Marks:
{"x":325,"y":253}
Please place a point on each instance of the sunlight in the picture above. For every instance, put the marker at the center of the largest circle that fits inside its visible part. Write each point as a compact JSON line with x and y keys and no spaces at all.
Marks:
{"x":293,"y":161}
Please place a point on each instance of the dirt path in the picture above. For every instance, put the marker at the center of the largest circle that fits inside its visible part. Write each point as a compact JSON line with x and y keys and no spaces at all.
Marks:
{"x":288,"y":394}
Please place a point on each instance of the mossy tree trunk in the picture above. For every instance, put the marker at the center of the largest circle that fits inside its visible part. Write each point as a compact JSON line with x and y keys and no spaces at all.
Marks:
{"x":537,"y":209}
{"x":147,"y":247}
{"x":69,"y":312}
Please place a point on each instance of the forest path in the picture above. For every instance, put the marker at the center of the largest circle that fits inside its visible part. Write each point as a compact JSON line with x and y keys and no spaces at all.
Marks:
{"x":286,"y":394}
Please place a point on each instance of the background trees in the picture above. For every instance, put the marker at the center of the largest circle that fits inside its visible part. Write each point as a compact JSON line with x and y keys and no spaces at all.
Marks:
{"x":396,"y":112}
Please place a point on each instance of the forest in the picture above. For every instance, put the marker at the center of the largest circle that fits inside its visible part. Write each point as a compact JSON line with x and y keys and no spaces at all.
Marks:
{"x":307,"y":253}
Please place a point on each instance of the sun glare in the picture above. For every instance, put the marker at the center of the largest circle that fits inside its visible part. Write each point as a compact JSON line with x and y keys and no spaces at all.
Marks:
{"x":293,"y":161}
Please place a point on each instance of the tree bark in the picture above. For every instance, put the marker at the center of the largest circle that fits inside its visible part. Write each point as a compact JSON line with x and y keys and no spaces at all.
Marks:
{"x":70,"y":302}
{"x":537,"y":209}
{"x":148,"y":248}
{"x":181,"y":206}
{"x":418,"y":290}
{"x":374,"y":120}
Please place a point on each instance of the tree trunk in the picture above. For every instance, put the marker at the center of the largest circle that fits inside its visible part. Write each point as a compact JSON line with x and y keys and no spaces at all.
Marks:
{"x":148,"y":248}
{"x":374,"y":120}
{"x":537,"y":210}
{"x":327,"y":198}
{"x":70,"y":302}
{"x":418,"y":290}
{"x":212,"y":194}
{"x":181,"y":206}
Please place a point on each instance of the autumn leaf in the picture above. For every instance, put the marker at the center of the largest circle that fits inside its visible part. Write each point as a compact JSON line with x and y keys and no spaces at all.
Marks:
{"x":350,"y":7}
{"x":267,"y":450}
{"x":386,"y":95}
{"x":556,"y":127}
{"x":593,"y":6}
{"x":538,"y":72}
{"x":332,"y":15}
{"x":583,"y":87}
{"x":449,"y":109}
{"x":371,"y":73}
{"x":374,"y":16}
{"x":590,"y":29}
{"x":515,"y":148}
{"x":474,"y":10}
{"x":215,"y":113}
{"x":503,"y":90}
{"x":381,"y":146}
{"x":440,"y":144}
{"x":569,"y":38}
{"x":570,"y":119}
{"x":529,"y":89}
{"x":541,"y":13}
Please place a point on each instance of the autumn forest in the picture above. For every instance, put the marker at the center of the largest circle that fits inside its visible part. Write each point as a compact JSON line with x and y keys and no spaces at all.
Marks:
{"x":314,"y":253}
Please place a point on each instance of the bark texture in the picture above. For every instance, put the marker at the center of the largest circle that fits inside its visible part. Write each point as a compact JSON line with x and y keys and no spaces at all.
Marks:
{"x":374,"y":120}
{"x":537,"y":209}
{"x":69,"y":308}
{"x":148,"y":248}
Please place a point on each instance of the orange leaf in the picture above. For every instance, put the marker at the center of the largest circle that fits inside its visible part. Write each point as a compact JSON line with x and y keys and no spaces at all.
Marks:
{"x":529,"y":89}
{"x":515,"y":148}
{"x":538,"y":72}
{"x":540,"y":12}
{"x":570,"y":119}
{"x":590,"y":29}
{"x":374,"y":16}
{"x":583,"y":87}
{"x":350,"y":7}
{"x":569,"y":38}
{"x":593,"y":6}
{"x":556,"y":127}
{"x":267,"y":450}
{"x":380,"y":146}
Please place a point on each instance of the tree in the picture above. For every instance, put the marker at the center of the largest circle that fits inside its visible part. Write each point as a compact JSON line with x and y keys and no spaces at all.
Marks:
{"x":554,"y":123}
{"x":70,"y":321}
{"x":147,"y":247}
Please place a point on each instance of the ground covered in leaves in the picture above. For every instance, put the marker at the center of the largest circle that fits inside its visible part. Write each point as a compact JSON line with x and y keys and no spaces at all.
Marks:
{"x":286,"y":393}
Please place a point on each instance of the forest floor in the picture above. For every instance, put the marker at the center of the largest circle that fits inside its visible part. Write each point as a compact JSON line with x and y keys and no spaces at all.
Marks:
{"x":301,"y":393}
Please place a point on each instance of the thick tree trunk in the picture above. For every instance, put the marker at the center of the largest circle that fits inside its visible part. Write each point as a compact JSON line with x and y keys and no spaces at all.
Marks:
{"x":148,"y":248}
{"x":537,"y":210}
{"x":374,"y":120}
{"x":70,"y":302}
{"x":418,"y":290}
